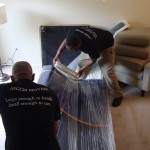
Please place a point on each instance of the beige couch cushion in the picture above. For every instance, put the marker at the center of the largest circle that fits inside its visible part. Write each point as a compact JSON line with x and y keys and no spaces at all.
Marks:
{"x":132,"y":51}
{"x":127,"y":71}
{"x":136,"y":36}
{"x":132,"y":63}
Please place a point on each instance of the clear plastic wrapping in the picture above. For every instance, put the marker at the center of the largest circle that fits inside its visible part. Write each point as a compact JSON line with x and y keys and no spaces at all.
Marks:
{"x":86,"y":122}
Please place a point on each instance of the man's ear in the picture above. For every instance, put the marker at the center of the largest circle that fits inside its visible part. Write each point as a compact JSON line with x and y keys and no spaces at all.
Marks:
{"x":33,"y":76}
{"x":12,"y":78}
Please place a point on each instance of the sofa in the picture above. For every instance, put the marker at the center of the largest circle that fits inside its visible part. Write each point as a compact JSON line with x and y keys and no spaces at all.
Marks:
{"x":132,"y":64}
{"x":86,"y":121}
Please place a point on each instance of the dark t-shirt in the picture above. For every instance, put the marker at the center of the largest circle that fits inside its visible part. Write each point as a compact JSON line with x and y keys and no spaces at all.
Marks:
{"x":28,"y":112}
{"x":94,"y":40}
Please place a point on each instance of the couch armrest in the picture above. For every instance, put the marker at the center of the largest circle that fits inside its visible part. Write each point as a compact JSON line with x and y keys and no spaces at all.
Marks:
{"x":146,"y":77}
{"x":45,"y":75}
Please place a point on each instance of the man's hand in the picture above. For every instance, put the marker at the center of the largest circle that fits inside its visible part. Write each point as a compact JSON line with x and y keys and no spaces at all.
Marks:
{"x":55,"y":59}
{"x":79,"y":73}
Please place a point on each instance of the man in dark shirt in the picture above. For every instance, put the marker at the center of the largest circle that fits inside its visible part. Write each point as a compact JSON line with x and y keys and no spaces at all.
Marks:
{"x":29,"y":111}
{"x":98,"y":44}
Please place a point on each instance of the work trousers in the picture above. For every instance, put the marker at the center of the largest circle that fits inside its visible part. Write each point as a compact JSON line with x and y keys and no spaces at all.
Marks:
{"x":106,"y":63}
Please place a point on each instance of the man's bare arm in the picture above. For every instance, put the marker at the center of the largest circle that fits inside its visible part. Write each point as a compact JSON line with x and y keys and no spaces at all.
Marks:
{"x":60,"y":49}
{"x":88,"y":64}
{"x":55,"y":129}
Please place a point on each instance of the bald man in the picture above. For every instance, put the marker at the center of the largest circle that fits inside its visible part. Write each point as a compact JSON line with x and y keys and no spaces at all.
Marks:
{"x":29,"y":111}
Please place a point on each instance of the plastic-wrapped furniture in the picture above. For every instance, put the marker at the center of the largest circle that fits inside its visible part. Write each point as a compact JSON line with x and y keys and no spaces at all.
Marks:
{"x":86,"y":122}
{"x":132,"y":64}
{"x":85,"y":104}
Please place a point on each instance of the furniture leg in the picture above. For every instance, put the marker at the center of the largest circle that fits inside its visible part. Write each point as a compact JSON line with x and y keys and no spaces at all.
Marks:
{"x":142,"y":93}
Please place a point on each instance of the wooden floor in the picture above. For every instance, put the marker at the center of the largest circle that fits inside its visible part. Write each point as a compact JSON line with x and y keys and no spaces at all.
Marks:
{"x":131,"y":121}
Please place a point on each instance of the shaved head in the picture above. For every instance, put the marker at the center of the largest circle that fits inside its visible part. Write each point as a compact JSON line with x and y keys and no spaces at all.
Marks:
{"x":22,"y":70}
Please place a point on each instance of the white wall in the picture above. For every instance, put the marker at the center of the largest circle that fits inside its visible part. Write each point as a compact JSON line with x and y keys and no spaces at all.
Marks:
{"x":25,"y":17}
